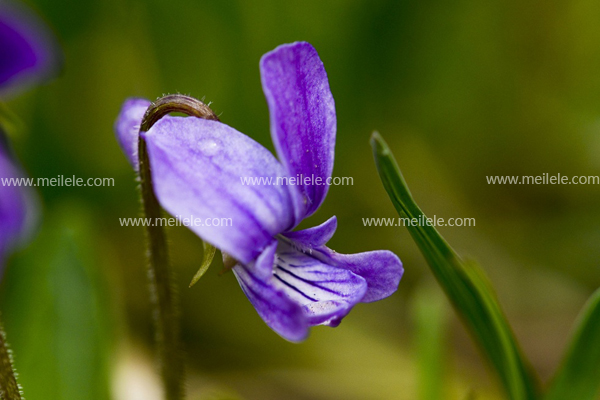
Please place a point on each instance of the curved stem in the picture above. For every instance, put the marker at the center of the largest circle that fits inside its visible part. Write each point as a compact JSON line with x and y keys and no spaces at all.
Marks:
{"x":164,"y":301}
{"x":9,"y":389}
{"x":175,"y":103}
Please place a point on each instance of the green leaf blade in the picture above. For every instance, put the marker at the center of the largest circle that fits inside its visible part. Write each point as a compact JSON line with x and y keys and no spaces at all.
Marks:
{"x":463,"y":283}
{"x":579,"y":374}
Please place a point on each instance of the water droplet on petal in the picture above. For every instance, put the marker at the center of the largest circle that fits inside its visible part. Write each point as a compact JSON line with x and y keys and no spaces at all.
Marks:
{"x":208,"y":147}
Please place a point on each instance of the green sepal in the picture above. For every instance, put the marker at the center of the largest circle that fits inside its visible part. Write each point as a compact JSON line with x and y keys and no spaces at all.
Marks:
{"x":207,"y":258}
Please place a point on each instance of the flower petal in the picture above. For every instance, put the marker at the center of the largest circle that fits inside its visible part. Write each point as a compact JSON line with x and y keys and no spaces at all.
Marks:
{"x":17,"y":204}
{"x":197,"y":166}
{"x":127,"y":127}
{"x":314,"y":237}
{"x":29,"y":52}
{"x":280,"y":313}
{"x":303,"y":120}
{"x":381,"y":269}
{"x":326,"y":293}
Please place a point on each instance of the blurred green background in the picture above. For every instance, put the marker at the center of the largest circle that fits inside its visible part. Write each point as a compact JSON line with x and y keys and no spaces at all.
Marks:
{"x":459,"y":89}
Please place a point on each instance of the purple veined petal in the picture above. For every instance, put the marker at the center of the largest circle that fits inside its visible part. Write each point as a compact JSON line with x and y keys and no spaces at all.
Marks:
{"x":303,"y":119}
{"x":381,"y":269}
{"x":314,"y":237}
{"x":18,"y":211}
{"x":28,"y":51}
{"x":127,"y":127}
{"x":197,"y":169}
{"x":279,"y":312}
{"x":326,"y":293}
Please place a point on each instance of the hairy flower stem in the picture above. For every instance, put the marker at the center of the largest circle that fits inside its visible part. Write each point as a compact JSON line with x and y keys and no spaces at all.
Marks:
{"x":163,"y":296}
{"x":9,"y":389}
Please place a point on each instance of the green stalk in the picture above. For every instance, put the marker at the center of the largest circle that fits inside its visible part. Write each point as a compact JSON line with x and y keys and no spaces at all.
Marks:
{"x":9,"y":389}
{"x":163,"y":295}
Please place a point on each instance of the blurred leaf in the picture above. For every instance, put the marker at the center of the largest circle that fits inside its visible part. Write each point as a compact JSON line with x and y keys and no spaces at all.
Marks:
{"x":219,"y":396}
{"x":579,"y":374}
{"x":56,"y":318}
{"x":207,"y":257}
{"x":430,"y":313}
{"x":470,"y":395}
{"x":464,"y":284}
{"x":9,"y":121}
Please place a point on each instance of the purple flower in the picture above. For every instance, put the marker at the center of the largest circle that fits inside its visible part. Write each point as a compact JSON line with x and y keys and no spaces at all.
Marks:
{"x":28,"y":52}
{"x":28,"y":55}
{"x":293,"y":280}
{"x":16,"y":208}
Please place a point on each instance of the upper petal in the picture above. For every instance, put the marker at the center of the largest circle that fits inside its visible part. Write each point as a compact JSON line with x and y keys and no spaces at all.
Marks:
{"x":303,"y":120}
{"x":381,"y":269}
{"x":280,"y":313}
{"x":28,"y":50}
{"x":127,"y":127}
{"x":197,"y":166}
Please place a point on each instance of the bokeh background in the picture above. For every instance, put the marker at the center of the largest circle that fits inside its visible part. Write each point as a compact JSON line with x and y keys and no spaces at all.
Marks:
{"x":460,"y":89}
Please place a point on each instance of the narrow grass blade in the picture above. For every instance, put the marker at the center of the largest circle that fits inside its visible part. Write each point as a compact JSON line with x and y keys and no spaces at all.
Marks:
{"x":579,"y":374}
{"x":464,"y":283}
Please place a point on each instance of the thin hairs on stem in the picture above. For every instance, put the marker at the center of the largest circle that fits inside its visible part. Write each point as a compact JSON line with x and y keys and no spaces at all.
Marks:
{"x":163,"y":295}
